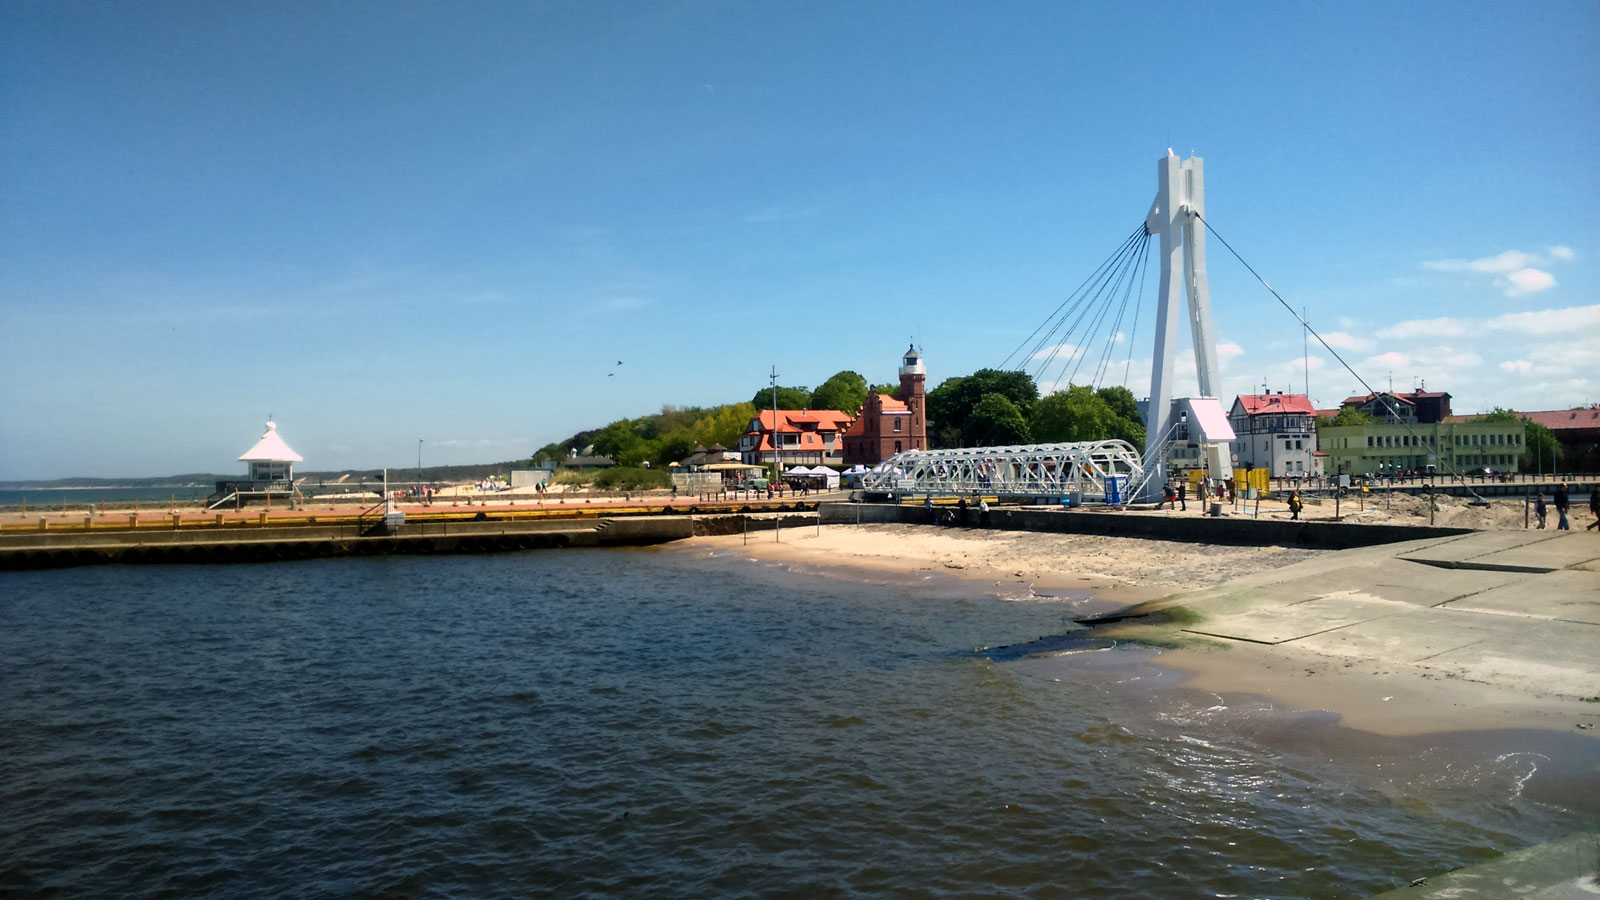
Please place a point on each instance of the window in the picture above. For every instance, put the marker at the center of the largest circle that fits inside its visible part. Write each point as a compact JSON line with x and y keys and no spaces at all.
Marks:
{"x":897,"y":424}
{"x":897,"y":446}
{"x":1299,"y":445}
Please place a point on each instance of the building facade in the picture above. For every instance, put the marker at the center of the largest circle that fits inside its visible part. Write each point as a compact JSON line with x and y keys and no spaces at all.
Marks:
{"x":1444,"y":448}
{"x":1578,"y":433}
{"x":1418,"y":407}
{"x":886,"y":425}
{"x":1276,"y":432}
{"x":794,"y":437}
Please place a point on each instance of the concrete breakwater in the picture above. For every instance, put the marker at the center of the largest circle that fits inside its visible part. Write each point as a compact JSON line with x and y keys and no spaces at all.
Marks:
{"x":267,"y":541}
{"x":56,"y":549}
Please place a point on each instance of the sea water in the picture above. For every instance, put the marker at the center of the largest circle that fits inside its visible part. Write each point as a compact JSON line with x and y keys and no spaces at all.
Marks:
{"x":665,"y":724}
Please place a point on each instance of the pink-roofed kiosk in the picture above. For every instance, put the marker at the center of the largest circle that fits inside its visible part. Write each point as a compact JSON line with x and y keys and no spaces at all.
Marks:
{"x":271,"y":474}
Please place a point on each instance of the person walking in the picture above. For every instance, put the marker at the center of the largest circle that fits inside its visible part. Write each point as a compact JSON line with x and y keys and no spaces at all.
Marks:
{"x":1594,"y":506}
{"x":1540,"y":510}
{"x":1295,"y":505}
{"x":983,"y":512}
{"x":1183,"y":495}
{"x":1169,"y":496}
{"x":961,"y":510}
{"x":1562,"y":504}
{"x":927,"y":509}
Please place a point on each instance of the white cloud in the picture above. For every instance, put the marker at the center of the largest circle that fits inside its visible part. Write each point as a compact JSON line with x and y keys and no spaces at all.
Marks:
{"x":1517,"y":271}
{"x":1391,"y":360}
{"x":1509,"y":261}
{"x":1516,"y":365}
{"x":1572,"y":319}
{"x":1228,"y":350}
{"x":1343,"y":340}
{"x":1059,"y":352}
{"x":1440,"y":327}
{"x":1526,"y":281}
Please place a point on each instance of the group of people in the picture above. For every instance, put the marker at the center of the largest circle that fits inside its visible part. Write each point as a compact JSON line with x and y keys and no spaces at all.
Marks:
{"x":1176,"y":495}
{"x":1562,"y":502}
{"x":960,"y":515}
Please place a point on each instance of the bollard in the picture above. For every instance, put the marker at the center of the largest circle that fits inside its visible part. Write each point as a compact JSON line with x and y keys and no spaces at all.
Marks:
{"x":175,"y":519}
{"x":44,"y":525}
{"x":263,"y":518}
{"x":219,"y":520}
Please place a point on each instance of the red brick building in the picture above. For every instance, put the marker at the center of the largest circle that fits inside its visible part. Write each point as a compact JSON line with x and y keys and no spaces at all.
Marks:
{"x":885,"y":424}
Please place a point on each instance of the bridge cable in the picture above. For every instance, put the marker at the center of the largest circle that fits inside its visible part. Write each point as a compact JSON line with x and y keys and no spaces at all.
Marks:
{"x":1137,"y":234}
{"x":1084,"y":304}
{"x":1422,"y":440}
{"x":1082,"y":330}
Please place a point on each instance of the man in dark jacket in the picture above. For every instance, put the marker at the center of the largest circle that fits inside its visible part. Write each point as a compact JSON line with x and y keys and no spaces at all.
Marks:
{"x":1562,"y":504}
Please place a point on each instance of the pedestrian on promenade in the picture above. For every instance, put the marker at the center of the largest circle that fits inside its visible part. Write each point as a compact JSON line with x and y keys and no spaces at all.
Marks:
{"x":983,"y":512}
{"x":1183,"y":494}
{"x":1562,"y":504}
{"x":927,"y":509}
{"x":1295,"y":505}
{"x":1594,"y":505}
{"x":1540,"y":510}
{"x":1169,"y":496}
{"x":961,"y":510}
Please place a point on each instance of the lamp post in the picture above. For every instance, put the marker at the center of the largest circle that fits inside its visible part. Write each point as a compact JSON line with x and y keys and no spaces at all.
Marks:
{"x":419,"y":468}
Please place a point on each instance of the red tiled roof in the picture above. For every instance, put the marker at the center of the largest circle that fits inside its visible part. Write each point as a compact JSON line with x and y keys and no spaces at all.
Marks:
{"x":1565,"y":419}
{"x":1276,"y":404}
{"x":1327,"y":413}
{"x":1553,"y":419}
{"x":1398,"y":395}
{"x":891,"y":404}
{"x":804,"y":420}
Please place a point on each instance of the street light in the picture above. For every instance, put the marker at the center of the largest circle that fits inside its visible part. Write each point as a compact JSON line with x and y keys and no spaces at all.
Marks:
{"x":419,"y":468}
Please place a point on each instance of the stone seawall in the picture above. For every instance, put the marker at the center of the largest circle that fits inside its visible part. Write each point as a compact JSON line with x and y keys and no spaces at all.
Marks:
{"x":1233,"y":530}
{"x":199,"y":545}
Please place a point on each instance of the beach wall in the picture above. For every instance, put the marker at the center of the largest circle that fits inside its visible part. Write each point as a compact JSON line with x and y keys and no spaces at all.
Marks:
{"x":1233,"y":530}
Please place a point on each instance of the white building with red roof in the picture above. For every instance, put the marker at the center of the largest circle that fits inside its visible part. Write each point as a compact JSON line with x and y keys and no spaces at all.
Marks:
{"x":794,"y":437}
{"x":1275,"y":431}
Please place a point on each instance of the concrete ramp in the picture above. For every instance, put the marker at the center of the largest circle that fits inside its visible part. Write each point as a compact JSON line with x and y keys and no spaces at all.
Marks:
{"x":1570,"y":595}
{"x":1279,"y":624}
{"x":1509,"y":551}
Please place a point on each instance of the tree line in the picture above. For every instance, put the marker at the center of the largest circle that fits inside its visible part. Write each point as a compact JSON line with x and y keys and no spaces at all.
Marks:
{"x":987,"y":408}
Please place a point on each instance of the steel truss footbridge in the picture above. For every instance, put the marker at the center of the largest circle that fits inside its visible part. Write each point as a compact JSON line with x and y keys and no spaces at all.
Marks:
{"x":1034,"y":470}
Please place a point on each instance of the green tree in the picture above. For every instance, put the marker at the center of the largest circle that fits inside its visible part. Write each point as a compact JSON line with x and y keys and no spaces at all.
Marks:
{"x":1075,"y":414}
{"x":788,"y":398}
{"x":625,"y":442}
{"x":845,"y":392}
{"x":1129,"y":425}
{"x":995,"y":421}
{"x":722,"y":425}
{"x":1348,"y":415}
{"x":890,"y":389}
{"x":1121,"y":400}
{"x":956,"y":399}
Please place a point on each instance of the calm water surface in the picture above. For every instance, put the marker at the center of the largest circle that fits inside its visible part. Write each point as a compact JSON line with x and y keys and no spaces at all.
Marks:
{"x":576,"y":723}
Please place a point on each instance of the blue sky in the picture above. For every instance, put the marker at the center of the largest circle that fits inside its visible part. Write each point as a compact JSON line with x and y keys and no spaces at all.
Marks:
{"x":388,"y":221}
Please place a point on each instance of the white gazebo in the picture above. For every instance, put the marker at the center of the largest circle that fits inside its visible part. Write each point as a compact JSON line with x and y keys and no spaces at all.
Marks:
{"x":271,"y":472}
{"x":271,"y":459}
